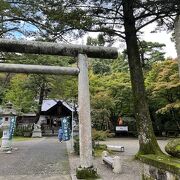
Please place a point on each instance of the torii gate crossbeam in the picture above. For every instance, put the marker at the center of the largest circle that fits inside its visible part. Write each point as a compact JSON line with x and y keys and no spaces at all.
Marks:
{"x":38,"y":69}
{"x":82,"y":52}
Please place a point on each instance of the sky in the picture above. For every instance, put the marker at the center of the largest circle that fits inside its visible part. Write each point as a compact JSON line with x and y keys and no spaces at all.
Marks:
{"x":161,"y":37}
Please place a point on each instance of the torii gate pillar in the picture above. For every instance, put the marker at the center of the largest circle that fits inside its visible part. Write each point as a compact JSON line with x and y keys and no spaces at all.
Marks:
{"x":84,"y":113}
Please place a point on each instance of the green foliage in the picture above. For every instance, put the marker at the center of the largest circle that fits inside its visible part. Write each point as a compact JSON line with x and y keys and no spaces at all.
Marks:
{"x":18,"y":132}
{"x":150,"y":52}
{"x":100,"y":67}
{"x":108,"y":66}
{"x":130,"y":122}
{"x":144,"y":177}
{"x":25,"y":131}
{"x":21,"y":97}
{"x":163,"y":89}
{"x":102,"y":105}
{"x":4,"y":82}
{"x":86,"y":173}
{"x":64,"y":87}
{"x":3,"y":5}
{"x":38,"y":59}
{"x":99,"y":148}
{"x":65,"y":17}
{"x":76,"y":146}
{"x":120,"y":64}
{"x":121,"y":19}
{"x":99,"y":135}
{"x":110,"y":96}
{"x":23,"y":91}
{"x":99,"y":41}
{"x":1,"y":133}
{"x":96,"y":136}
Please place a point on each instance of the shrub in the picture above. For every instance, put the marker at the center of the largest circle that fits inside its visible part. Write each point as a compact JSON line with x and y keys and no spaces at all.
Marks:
{"x":96,"y":136}
{"x":1,"y":133}
{"x":86,"y":173}
{"x":25,"y":130}
{"x":101,"y":147}
{"x":111,"y":135}
{"x":99,"y":135}
{"x":76,"y":145}
{"x":18,"y":132}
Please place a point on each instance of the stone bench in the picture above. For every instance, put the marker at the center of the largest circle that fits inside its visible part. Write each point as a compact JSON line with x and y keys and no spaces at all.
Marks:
{"x":108,"y":160}
{"x":113,"y":162}
{"x":116,"y":148}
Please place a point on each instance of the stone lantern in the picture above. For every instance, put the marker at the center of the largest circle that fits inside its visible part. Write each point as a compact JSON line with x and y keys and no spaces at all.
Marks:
{"x":8,"y":121}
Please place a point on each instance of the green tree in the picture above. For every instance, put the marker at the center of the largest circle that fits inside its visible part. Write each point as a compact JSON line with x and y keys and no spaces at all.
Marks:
{"x":115,"y":87}
{"x":4,"y":82}
{"x":42,"y":85}
{"x":149,"y":52}
{"x":22,"y":98}
{"x":102,"y":105}
{"x":122,"y":19}
{"x":133,"y":20}
{"x":164,"y":87}
{"x":64,"y":87}
{"x":99,"y":41}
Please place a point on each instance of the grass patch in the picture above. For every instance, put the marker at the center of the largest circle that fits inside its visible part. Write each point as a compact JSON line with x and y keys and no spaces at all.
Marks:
{"x":18,"y":138}
{"x":98,"y":152}
{"x":99,"y":148}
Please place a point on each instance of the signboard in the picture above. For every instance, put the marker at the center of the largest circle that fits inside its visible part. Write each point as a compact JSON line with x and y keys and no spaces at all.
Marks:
{"x":66,"y":129}
{"x":121,"y":128}
{"x":12,"y":127}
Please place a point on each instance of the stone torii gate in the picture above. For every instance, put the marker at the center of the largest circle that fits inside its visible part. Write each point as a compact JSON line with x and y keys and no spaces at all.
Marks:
{"x":80,"y":51}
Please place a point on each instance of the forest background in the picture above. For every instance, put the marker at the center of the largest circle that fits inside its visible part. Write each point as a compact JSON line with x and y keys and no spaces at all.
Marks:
{"x":110,"y":84}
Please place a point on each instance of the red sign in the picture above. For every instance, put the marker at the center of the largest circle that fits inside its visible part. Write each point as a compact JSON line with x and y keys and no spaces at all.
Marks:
{"x":120,"y":121}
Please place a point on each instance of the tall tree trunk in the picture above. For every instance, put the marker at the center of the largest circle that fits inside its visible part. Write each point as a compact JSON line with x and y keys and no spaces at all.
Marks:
{"x":147,"y":140}
{"x":177,"y":39}
{"x":41,"y":97}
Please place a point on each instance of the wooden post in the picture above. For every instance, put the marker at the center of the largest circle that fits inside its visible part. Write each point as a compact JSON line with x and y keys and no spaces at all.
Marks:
{"x":84,"y":113}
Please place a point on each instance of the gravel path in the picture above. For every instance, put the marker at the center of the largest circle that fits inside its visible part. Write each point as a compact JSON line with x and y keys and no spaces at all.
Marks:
{"x":47,"y":159}
{"x":131,"y":169}
{"x":43,"y":158}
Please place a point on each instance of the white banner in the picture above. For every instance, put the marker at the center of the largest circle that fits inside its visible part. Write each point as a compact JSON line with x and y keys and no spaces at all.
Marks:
{"x":121,"y":128}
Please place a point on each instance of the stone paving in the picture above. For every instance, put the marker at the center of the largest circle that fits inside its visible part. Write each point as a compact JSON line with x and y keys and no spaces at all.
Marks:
{"x":36,"y":159}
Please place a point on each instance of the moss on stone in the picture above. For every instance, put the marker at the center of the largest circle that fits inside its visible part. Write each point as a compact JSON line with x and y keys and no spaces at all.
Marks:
{"x":178,"y":148}
{"x":164,"y":162}
{"x":173,"y":148}
{"x":86,"y":173}
{"x":144,"y":177}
